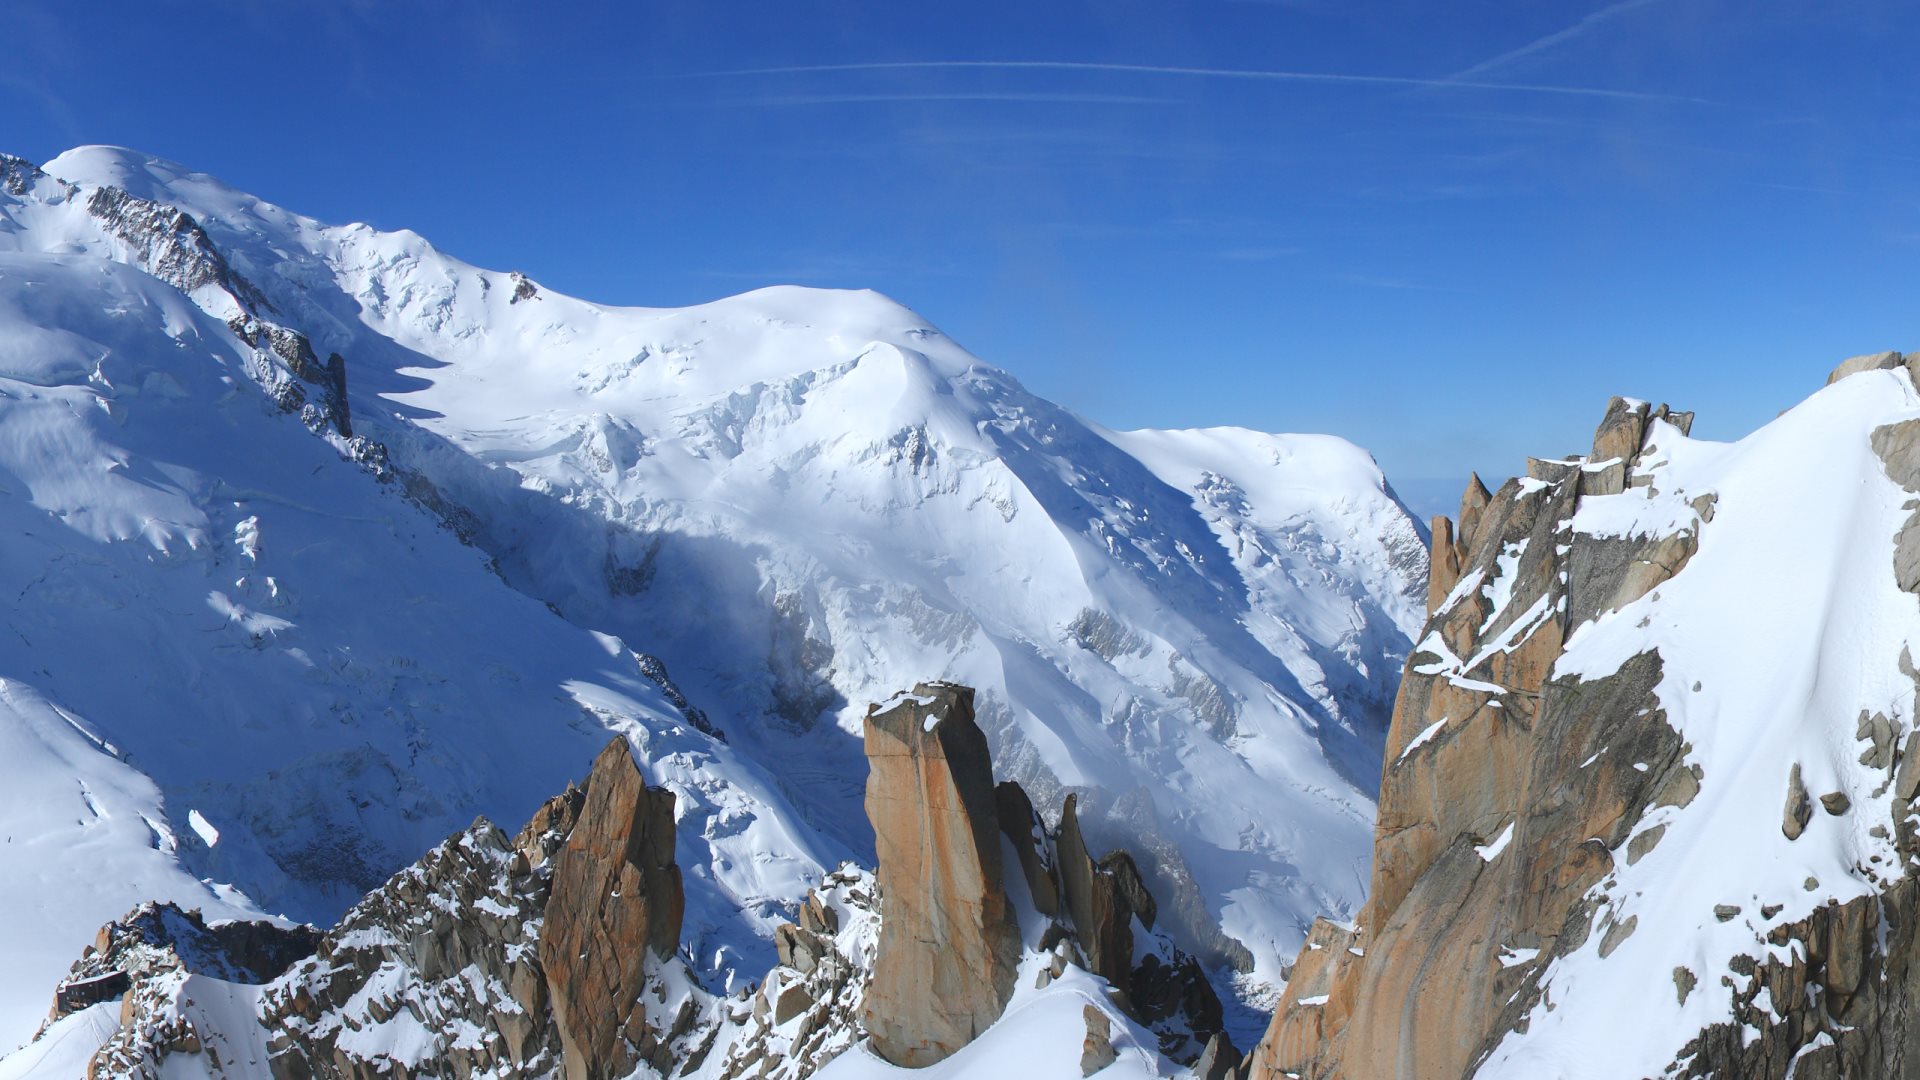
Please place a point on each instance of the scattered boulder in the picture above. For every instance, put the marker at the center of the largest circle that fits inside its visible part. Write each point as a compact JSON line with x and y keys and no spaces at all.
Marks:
{"x":1096,"y":1050}
{"x":1835,"y":802}
{"x":1684,"y":981}
{"x":1877,"y":731}
{"x":1799,"y":809}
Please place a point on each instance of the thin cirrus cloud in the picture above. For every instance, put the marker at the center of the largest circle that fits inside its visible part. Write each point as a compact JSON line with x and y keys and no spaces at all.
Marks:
{"x":1239,"y":74}
{"x":1549,"y":41}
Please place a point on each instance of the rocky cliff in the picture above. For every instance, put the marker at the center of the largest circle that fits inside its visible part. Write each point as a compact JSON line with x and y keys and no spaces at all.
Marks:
{"x":1646,"y":803}
{"x":556,"y":952}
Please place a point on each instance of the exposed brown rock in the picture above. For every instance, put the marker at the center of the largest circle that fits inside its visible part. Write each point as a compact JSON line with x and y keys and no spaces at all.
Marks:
{"x":1096,"y":1050}
{"x":1622,"y":431}
{"x":1416,"y":988}
{"x":1898,"y":447}
{"x":1101,"y":917}
{"x":1826,"y":1000}
{"x":140,"y":959}
{"x":1027,"y":833}
{"x":1218,"y":1061}
{"x":949,"y":948}
{"x":1443,"y":563}
{"x":807,"y":1010}
{"x":1473,"y":503}
{"x":1799,"y":809}
{"x":615,"y":903}
{"x":1880,"y":361}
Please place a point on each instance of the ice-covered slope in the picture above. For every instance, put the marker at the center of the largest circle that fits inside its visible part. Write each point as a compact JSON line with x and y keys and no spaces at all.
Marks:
{"x":233,"y":656}
{"x":800,"y":500}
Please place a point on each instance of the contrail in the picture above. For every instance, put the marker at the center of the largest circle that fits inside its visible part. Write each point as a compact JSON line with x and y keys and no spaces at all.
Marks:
{"x":1556,"y":38}
{"x":1011,"y":96}
{"x":1253,"y":75}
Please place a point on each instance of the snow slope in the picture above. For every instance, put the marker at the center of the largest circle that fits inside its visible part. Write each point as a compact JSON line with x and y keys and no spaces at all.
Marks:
{"x":800,"y":500}
{"x":1781,"y":629}
{"x":215,"y":616}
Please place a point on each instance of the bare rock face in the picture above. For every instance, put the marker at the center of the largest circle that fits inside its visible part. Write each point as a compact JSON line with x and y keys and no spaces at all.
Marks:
{"x":534,"y":955}
{"x":1443,"y":568}
{"x":1486,"y":837}
{"x":1102,"y":919}
{"x":1096,"y":1050}
{"x":145,"y":958}
{"x":1028,"y":835}
{"x":949,"y":947}
{"x":614,"y":909}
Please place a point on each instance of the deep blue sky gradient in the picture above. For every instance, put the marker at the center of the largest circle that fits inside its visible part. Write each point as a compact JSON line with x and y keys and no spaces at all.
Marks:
{"x":1445,"y":231}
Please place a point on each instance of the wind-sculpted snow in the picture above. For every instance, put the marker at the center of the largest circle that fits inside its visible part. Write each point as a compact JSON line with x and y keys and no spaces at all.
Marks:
{"x":797,"y":500}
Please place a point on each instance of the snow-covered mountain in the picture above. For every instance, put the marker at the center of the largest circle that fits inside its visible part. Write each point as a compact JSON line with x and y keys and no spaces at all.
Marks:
{"x":280,"y":624}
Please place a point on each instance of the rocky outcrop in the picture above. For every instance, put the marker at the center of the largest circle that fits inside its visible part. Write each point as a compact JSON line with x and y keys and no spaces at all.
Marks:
{"x":1027,"y":833}
{"x":949,"y":947}
{"x":169,"y":244}
{"x":551,"y":953}
{"x":446,"y":947}
{"x":1513,"y":797}
{"x":909,"y":956}
{"x":1504,"y":789}
{"x":807,"y":1011}
{"x":613,"y":914}
{"x":297,"y":357}
{"x":948,"y":936}
{"x":1880,"y":361}
{"x":536,"y":955}
{"x":1826,"y":1001}
{"x":146,"y":959}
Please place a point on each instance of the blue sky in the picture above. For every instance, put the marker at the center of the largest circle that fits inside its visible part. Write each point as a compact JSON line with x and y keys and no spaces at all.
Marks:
{"x":1445,"y":231}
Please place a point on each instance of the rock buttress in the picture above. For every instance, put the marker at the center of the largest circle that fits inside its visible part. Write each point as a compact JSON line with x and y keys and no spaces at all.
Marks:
{"x":1490,"y":831}
{"x":949,"y":947}
{"x":613,"y":911}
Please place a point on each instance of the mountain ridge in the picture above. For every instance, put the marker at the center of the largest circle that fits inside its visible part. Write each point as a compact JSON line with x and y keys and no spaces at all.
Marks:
{"x":636,"y":475}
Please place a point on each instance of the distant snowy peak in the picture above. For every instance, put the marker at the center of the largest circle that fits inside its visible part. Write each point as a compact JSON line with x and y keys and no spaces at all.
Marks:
{"x":799,"y":500}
